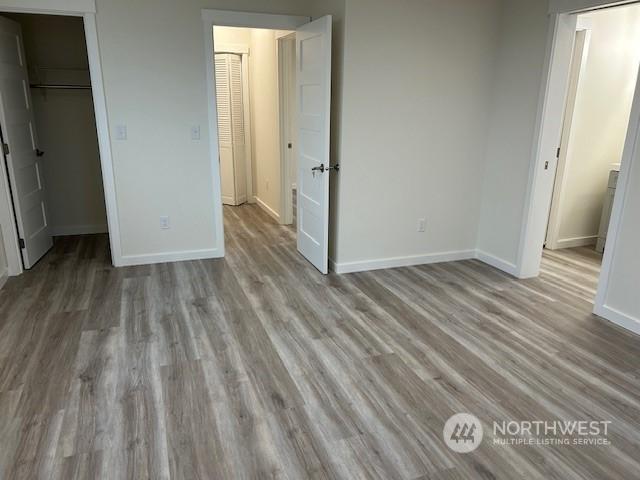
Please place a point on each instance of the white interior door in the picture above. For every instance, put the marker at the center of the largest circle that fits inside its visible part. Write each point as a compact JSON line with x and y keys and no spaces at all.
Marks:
{"x":237,"y":128}
{"x":19,"y":134}
{"x":231,"y":135}
{"x":313,"y":86}
{"x":225,"y":137}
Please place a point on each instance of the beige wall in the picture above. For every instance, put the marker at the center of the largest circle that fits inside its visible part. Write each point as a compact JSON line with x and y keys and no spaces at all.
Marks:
{"x":599,"y":127}
{"x":264,"y":98}
{"x":414,"y":111}
{"x":56,"y":53}
{"x":265,"y":120}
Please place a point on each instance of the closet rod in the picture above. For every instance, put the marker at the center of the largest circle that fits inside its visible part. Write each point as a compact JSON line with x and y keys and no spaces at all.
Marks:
{"x":60,"y":87}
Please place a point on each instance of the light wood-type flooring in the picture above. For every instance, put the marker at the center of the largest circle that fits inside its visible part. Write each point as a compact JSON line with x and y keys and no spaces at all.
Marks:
{"x":257,"y":367}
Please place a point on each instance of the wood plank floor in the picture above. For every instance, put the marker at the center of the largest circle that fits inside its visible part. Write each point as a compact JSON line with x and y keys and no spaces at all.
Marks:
{"x":257,"y":367}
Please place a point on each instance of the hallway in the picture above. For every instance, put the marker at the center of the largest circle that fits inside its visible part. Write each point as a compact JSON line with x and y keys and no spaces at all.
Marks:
{"x":256,"y":366}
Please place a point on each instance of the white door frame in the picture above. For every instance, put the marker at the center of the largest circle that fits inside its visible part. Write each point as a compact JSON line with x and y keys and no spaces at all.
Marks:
{"x":285,"y":110}
{"x":243,"y":50}
{"x":228,"y":18}
{"x":87,"y":10}
{"x":547,"y":134}
{"x":578,"y":60}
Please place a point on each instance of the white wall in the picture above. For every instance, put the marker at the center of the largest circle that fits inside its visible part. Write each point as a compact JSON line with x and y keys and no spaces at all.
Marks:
{"x":153,"y":63}
{"x":4,"y":267}
{"x":598,"y":130}
{"x":56,"y":53}
{"x":517,"y":86}
{"x":517,"y":77}
{"x":415,"y":107}
{"x":622,"y":295}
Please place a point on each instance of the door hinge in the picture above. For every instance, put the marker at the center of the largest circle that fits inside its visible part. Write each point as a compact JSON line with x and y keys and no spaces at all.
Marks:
{"x":5,"y":148}
{"x":21,"y":242}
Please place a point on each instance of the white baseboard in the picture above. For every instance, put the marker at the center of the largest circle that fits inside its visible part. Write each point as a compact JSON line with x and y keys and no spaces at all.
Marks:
{"x":270,"y":211}
{"x":183,"y":256}
{"x":394,"y":262}
{"x":496,"y":262}
{"x":619,"y":318}
{"x":64,"y":230}
{"x":574,"y":242}
{"x":4,"y":276}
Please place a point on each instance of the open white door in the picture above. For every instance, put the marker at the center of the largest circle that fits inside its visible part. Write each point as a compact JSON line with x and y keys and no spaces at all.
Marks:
{"x":20,"y":149}
{"x":313,"y":86}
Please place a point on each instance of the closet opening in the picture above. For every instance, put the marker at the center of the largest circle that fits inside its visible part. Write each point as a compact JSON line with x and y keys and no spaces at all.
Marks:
{"x":51,"y":175}
{"x":255,"y":89}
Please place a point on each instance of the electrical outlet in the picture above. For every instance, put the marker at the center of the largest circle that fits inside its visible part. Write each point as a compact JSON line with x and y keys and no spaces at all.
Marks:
{"x":164,"y":223}
{"x":195,"y":132}
{"x":422,"y":224}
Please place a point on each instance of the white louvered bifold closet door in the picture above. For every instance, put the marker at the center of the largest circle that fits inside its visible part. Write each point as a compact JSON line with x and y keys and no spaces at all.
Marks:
{"x":231,"y":128}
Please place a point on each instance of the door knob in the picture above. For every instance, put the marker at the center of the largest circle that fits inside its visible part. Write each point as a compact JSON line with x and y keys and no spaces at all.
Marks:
{"x":320,"y":169}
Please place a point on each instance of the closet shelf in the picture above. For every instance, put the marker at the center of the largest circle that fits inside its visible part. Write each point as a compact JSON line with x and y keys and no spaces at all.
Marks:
{"x":61,"y":87}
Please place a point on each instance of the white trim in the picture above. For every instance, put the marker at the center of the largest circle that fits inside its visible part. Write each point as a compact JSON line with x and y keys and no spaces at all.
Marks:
{"x":574,"y":6}
{"x":242,"y":50}
{"x":237,"y":48}
{"x":104,"y":141}
{"x":551,"y":102}
{"x":246,"y":117}
{"x":210,"y":18}
{"x":85,"y":9}
{"x":619,"y":318}
{"x":284,"y":112}
{"x":270,"y":211}
{"x":547,"y":138}
{"x":87,"y":229}
{"x":4,"y":276}
{"x":496,"y":262}
{"x":7,"y":220}
{"x":578,"y":61}
{"x":574,"y":242}
{"x":406,"y":261}
{"x":229,"y":18}
{"x":50,"y":7}
{"x":629,"y":155}
{"x":186,"y":255}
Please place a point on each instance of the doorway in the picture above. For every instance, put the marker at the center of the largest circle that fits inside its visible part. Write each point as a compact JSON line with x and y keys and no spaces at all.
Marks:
{"x":255,"y":101}
{"x":590,"y":123}
{"x":51,"y":155}
{"x":271,"y":186}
